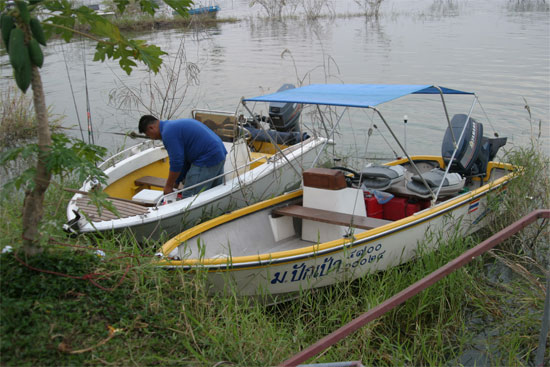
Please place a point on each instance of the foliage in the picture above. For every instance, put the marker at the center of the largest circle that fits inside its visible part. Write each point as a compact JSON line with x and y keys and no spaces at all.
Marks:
{"x":370,"y":7}
{"x":273,"y":8}
{"x":67,"y":156}
{"x":62,"y":18}
{"x":167,"y":92}
{"x":22,"y":35}
{"x":312,"y":8}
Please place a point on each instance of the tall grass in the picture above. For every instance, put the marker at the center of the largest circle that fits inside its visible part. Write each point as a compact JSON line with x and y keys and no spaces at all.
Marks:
{"x":17,"y":116}
{"x":167,"y":317}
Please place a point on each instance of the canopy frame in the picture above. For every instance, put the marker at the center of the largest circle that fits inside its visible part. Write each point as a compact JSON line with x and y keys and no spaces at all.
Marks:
{"x":368,"y":96}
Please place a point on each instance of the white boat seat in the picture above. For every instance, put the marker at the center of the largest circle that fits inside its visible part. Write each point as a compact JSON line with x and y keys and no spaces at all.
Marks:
{"x":147,"y":196}
{"x":382,"y":177}
{"x":452,"y":183}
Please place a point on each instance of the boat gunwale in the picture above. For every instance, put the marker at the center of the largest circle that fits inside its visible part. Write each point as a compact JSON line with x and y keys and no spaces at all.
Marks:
{"x":294,"y":255}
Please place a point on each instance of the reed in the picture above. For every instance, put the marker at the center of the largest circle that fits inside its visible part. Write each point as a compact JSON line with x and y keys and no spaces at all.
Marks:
{"x":17,"y":116}
{"x":138,"y":314}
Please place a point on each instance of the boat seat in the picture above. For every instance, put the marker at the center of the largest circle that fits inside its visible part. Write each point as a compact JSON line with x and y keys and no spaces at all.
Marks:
{"x":327,"y":216}
{"x":452,"y":183}
{"x":381,"y":177}
{"x":150,"y":181}
{"x":221,"y":123}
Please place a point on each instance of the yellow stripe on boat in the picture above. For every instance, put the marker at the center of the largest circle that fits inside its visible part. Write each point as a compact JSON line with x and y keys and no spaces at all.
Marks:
{"x":403,"y":223}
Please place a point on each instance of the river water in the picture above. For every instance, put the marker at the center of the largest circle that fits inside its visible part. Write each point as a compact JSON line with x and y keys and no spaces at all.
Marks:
{"x":499,"y":49}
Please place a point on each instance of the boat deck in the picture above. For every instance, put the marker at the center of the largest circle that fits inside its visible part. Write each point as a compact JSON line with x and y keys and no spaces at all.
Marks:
{"x":125,"y":209}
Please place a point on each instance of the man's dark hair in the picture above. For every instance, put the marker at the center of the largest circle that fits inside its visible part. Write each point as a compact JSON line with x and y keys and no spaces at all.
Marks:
{"x":144,"y":121}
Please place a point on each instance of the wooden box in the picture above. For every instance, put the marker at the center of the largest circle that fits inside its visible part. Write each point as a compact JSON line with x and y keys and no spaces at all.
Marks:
{"x":324,"y":178}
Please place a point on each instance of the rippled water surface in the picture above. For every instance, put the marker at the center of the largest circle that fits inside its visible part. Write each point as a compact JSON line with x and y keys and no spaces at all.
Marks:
{"x":499,"y":49}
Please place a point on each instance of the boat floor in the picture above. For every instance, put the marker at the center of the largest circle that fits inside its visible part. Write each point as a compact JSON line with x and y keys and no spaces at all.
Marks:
{"x":290,"y":243}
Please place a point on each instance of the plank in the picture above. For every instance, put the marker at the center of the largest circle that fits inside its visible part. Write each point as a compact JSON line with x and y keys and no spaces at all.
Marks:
{"x":150,"y":181}
{"x":327,"y":216}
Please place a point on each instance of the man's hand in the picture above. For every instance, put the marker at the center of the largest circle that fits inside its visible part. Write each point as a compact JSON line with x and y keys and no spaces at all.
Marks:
{"x":168,"y":189}
{"x":170,"y":182}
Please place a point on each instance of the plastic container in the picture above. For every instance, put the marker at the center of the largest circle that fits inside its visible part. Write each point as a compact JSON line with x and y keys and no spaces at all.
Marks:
{"x":399,"y":208}
{"x":374,"y":209}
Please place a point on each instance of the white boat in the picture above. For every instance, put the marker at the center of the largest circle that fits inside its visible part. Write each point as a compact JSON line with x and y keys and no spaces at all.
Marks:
{"x":260,"y":164}
{"x":336,"y":228}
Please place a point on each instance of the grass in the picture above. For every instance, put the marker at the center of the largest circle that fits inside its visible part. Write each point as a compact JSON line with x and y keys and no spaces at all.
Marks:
{"x":18,"y":119}
{"x":69,"y":306}
{"x":17,"y":115}
{"x":166,"y":317}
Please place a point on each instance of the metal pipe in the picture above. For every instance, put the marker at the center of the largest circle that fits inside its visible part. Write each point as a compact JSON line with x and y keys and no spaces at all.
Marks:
{"x":405,"y":119}
{"x":415,"y":288}
{"x":446,"y":114}
{"x":322,"y":119}
{"x":271,"y":139}
{"x":328,"y":138}
{"x":405,"y":152}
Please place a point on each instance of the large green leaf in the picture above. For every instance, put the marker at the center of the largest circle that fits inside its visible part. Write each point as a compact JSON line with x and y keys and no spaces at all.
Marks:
{"x":65,"y":19}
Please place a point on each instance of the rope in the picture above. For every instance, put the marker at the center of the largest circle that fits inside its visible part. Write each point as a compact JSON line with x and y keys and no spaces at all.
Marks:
{"x":72,"y":92}
{"x":488,"y":119}
{"x":91,"y":277}
{"x":88,"y":113}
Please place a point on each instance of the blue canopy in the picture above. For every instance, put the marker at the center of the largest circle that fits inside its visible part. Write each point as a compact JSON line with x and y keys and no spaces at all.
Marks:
{"x":350,"y":95}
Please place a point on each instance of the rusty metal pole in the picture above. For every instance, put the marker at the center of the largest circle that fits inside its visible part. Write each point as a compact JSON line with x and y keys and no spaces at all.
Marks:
{"x":415,"y":288}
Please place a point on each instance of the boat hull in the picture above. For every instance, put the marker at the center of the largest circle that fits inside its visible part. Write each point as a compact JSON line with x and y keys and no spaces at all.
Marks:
{"x":265,"y":180}
{"x":278,"y":274}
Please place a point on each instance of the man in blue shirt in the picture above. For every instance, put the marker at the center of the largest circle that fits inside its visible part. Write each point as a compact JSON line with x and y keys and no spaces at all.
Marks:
{"x":196,"y":152}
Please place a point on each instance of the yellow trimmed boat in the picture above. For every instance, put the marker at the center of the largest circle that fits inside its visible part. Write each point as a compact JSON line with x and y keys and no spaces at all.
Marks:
{"x":344,"y":223}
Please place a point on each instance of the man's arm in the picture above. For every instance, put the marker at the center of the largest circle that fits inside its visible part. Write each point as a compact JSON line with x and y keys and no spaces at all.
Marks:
{"x":170,"y":182}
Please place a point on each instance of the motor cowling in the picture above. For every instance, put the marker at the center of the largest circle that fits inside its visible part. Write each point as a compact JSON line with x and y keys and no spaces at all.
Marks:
{"x":474,"y":150}
{"x":284,"y":116}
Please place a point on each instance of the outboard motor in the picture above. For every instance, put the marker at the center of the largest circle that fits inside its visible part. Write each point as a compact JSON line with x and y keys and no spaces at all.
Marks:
{"x":284,"y":138}
{"x":284,"y":116}
{"x":474,"y":151}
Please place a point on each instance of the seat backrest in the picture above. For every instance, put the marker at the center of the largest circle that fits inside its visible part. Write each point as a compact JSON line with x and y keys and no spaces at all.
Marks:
{"x":222,"y":124}
{"x":382,"y":177}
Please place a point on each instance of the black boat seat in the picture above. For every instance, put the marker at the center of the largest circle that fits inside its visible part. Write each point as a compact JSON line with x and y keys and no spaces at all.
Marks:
{"x":452,"y":183}
{"x":381,"y":177}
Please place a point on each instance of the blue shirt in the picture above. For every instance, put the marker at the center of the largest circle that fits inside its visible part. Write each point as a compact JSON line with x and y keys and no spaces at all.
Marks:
{"x":189,"y":141}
